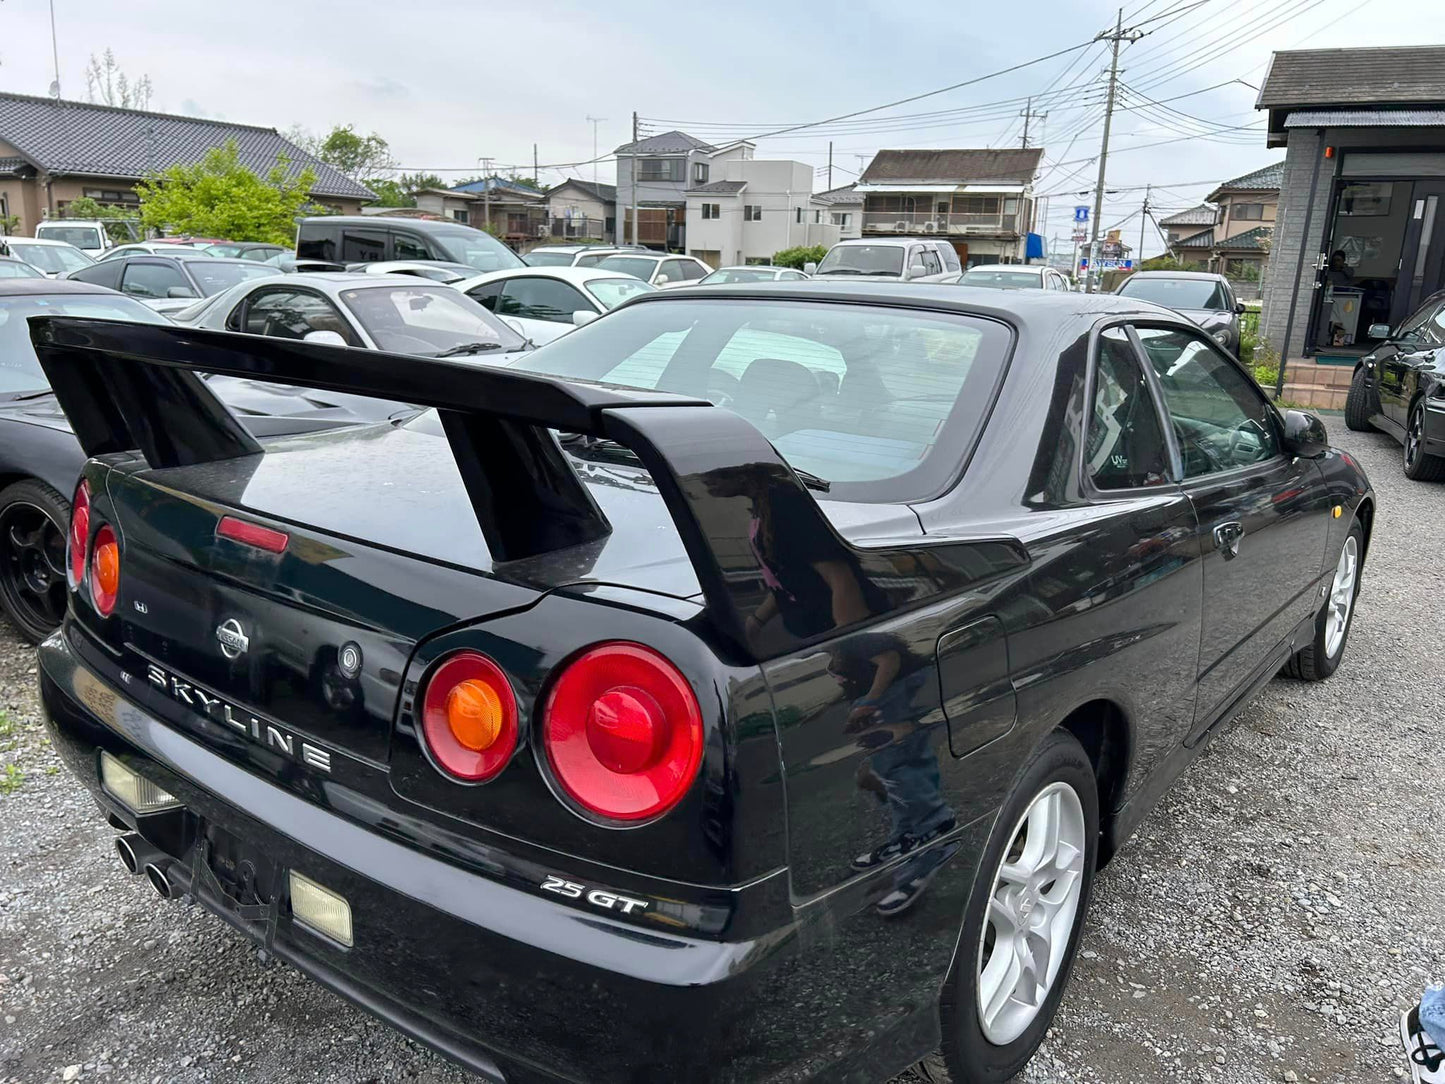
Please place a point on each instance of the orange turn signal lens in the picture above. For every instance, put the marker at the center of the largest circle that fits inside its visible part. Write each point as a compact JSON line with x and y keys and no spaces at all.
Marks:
{"x":474,"y":713}
{"x":105,"y":571}
{"x":469,"y":717}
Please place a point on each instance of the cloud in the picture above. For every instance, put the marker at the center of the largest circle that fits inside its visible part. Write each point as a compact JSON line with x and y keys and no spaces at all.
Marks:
{"x":382,"y":89}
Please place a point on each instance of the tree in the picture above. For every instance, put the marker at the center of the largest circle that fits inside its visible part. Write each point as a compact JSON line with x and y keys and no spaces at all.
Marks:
{"x":363,"y":157}
{"x":107,"y":84}
{"x":118,"y":220}
{"x":800,"y":255}
{"x":220,"y":197}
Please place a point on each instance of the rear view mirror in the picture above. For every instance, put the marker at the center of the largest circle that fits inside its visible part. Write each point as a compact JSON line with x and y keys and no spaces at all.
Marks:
{"x":1305,"y":435}
{"x":583,"y":316}
{"x":810,"y":268}
{"x":1378,"y":331}
{"x":330,"y":338}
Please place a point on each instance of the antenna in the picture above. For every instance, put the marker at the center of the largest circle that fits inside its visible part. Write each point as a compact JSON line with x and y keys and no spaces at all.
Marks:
{"x":54,"y":54}
{"x":594,"y":121}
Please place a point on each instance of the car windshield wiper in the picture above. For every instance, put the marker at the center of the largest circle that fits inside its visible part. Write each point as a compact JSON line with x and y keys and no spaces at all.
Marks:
{"x":27,"y":396}
{"x":580,"y":444}
{"x":467,"y":348}
{"x":839,"y":271}
{"x":812,"y":481}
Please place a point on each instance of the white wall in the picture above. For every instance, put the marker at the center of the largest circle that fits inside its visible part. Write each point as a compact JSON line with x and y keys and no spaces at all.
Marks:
{"x":781,"y":189}
{"x":579,"y":203}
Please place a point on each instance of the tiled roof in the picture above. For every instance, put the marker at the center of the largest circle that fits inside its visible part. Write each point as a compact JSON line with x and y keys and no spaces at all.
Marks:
{"x":1270,"y":178}
{"x":607,"y":193}
{"x":13,"y":166}
{"x":1399,"y":75}
{"x":965,"y":166}
{"x":1365,"y":118}
{"x":719,"y":188}
{"x":100,"y":140}
{"x":1202,"y":215}
{"x":498,"y":185}
{"x":845,"y":195}
{"x":666,"y":143}
{"x":1255,"y":240}
{"x":1199,"y":240}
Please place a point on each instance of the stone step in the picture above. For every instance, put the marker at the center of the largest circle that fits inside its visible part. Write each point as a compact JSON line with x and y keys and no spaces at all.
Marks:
{"x":1330,"y":376}
{"x":1320,"y":396}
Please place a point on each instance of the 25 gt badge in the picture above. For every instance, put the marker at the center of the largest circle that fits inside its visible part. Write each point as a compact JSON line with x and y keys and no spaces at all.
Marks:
{"x":609,"y":901}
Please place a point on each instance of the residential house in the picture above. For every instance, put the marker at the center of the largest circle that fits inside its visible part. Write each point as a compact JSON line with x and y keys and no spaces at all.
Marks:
{"x":1359,"y":239}
{"x":54,"y":151}
{"x":980,"y":200}
{"x":845,"y":210}
{"x":514,"y":212}
{"x":755,"y":208}
{"x":1245,"y":222}
{"x":582,"y":211}
{"x":666,"y":166}
{"x":1187,"y":225}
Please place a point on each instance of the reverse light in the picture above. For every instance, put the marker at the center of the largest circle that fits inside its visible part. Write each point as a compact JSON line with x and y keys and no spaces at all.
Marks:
{"x":133,"y":790}
{"x":623,"y":732}
{"x":320,"y":909}
{"x":105,"y":570}
{"x":79,"y":535}
{"x":469,"y":717}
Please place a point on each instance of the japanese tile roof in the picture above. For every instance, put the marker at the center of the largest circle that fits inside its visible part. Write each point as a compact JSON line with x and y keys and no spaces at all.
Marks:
{"x":1199,"y":240}
{"x":666,"y":143}
{"x":965,"y":166}
{"x":64,"y":137}
{"x":719,"y":188}
{"x":1373,"y":76}
{"x":1268,"y":179}
{"x":495,"y":185}
{"x":1365,"y":118}
{"x":606,"y":193}
{"x":844,"y":195}
{"x":13,"y":165}
{"x":1255,"y":240}
{"x":1202,"y":215}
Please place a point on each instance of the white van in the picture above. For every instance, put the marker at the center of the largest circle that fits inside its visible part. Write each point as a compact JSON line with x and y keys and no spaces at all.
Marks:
{"x":900,"y":259}
{"x":88,"y":235}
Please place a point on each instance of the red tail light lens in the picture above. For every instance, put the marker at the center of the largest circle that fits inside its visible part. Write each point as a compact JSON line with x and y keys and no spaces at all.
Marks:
{"x":469,"y":717}
{"x":105,"y":571}
{"x":79,"y":534}
{"x":623,"y":732}
{"x":252,"y":534}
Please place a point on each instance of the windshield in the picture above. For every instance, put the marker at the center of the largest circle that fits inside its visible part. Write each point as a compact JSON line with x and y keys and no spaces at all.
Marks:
{"x":857,"y":395}
{"x":612,"y":292}
{"x":15,"y":269}
{"x":428,"y":320}
{"x":79,"y":236}
{"x":53,"y":258}
{"x":863,"y":260}
{"x":738,"y":274}
{"x":1176,"y":293}
{"x":475,"y":248}
{"x":640,"y":267}
{"x":540,"y":257}
{"x":19,"y":371}
{"x":213,"y":276}
{"x":1003,"y":280}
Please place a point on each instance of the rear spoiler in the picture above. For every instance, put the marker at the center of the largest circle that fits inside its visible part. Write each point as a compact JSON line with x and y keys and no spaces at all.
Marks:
{"x":128,"y":387}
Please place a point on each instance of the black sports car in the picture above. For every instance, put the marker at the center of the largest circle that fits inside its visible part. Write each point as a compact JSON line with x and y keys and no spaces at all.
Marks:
{"x":40,"y":459}
{"x":642,"y":740}
{"x":1399,"y":388}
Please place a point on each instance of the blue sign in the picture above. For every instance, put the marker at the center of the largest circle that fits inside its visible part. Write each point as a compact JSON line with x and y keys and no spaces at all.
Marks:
{"x":1107,"y":265}
{"x":1081,"y":214}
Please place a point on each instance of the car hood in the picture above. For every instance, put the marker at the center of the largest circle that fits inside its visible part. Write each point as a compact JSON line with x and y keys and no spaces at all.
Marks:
{"x":1209,"y":318}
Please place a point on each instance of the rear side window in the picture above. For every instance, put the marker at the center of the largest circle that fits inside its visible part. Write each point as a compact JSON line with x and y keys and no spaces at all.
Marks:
{"x":362,"y":245}
{"x":1125,"y":447}
{"x":486,"y":294}
{"x":285,"y":313}
{"x":319,"y":241}
{"x":407,"y":247}
{"x":102,"y":274}
{"x":143,"y":278}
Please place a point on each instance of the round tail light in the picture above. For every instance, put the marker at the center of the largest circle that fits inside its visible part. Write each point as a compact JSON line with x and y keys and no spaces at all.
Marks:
{"x":105,"y":570}
{"x":469,"y":717}
{"x":623,"y":732}
{"x":79,"y":534}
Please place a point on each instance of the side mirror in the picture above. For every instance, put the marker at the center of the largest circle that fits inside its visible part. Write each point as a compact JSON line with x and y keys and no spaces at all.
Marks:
{"x":916,"y":270}
{"x":662,"y":280}
{"x":1305,"y":435}
{"x":583,"y":316}
{"x":810,"y":268}
{"x":1378,"y":331}
{"x":180,"y":291}
{"x":1239,"y":308}
{"x":330,"y":338}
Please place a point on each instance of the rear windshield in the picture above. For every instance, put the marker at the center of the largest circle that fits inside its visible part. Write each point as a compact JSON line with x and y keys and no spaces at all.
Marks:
{"x":883,"y":403}
{"x":213,"y":276}
{"x":540,"y":257}
{"x":1003,"y":280}
{"x":79,"y":236}
{"x":637,"y":266}
{"x":1176,"y":293}
{"x":863,"y":260}
{"x":53,"y":258}
{"x":612,"y":292}
{"x":19,"y":371}
{"x":739,"y":274}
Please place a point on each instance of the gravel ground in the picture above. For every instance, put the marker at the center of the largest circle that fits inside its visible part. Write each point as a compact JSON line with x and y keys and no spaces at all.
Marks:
{"x":1267,"y":922}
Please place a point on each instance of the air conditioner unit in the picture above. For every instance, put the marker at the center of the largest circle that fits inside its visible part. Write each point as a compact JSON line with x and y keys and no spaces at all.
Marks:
{"x":543,"y":229}
{"x":930,"y":227}
{"x":901,"y":227}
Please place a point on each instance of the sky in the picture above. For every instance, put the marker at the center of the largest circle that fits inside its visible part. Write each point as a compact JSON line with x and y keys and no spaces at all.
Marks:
{"x":449,"y":83}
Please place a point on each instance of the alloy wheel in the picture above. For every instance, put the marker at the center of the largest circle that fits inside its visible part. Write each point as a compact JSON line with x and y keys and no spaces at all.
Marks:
{"x":32,"y":565}
{"x":1342,"y":597}
{"x":1031,"y":913}
{"x":1413,"y":437}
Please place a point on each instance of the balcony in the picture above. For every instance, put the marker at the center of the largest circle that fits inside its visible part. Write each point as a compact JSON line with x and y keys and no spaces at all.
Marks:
{"x":582,"y":229}
{"x":957,"y":225}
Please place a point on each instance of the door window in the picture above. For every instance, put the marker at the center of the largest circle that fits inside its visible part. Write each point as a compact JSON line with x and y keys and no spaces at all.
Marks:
{"x":675,"y":270}
{"x":1220,"y":418}
{"x":362,"y":245}
{"x":540,"y":299}
{"x":152,"y":280}
{"x":1125,"y":446}
{"x":406,"y":247}
{"x":286,"y":313}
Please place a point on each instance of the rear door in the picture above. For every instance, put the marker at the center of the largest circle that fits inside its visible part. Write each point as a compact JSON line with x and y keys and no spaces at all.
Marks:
{"x":1262,"y":514}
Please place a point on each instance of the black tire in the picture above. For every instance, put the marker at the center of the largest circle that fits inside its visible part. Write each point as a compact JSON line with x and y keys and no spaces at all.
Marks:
{"x":967,"y":1056}
{"x":32,"y":566}
{"x":1420,"y":465}
{"x":1315,"y":662}
{"x":1359,"y":403}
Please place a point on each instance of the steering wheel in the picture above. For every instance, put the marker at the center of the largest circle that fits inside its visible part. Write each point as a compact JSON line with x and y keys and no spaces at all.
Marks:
{"x":722,"y":388}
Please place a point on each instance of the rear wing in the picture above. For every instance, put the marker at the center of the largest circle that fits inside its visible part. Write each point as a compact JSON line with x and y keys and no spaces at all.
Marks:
{"x":129,"y":387}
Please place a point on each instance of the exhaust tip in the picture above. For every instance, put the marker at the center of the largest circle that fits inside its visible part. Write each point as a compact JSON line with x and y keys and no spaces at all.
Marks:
{"x":125,"y":846}
{"x":160,"y":882}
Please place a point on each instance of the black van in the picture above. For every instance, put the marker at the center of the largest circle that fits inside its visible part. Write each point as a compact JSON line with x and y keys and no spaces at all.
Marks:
{"x":364,"y":239}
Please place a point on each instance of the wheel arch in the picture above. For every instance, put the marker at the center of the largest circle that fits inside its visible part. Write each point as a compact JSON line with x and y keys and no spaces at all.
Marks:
{"x":1102,"y":726}
{"x":1365,"y":513}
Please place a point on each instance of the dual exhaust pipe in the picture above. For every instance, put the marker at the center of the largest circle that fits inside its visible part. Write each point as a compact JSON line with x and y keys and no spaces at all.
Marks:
{"x":138,"y":856}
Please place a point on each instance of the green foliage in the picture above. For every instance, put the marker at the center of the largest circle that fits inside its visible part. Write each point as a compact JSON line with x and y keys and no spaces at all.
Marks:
{"x":10,"y":779}
{"x":219,"y":197}
{"x":118,"y":219}
{"x":1166,"y":262}
{"x":355,"y":155}
{"x":9,"y":223}
{"x":7,"y":725}
{"x":799,"y":255}
{"x":402,"y":191}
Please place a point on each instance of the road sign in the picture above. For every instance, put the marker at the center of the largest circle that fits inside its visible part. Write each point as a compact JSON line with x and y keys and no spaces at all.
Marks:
{"x":1107,"y":265}
{"x":1080,"y":236}
{"x":1081,"y":214}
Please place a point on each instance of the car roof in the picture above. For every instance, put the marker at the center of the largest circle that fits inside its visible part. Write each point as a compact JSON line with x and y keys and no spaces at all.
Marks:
{"x":32,"y":287}
{"x":391,"y":221}
{"x":881,"y":241}
{"x":577,"y":275}
{"x":754,"y":267}
{"x":1036,"y":267}
{"x":37,"y":240}
{"x":646,"y":255}
{"x":1175,"y":275}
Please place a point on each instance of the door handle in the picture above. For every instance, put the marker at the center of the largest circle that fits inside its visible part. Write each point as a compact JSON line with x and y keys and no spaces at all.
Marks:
{"x":1226,"y":538}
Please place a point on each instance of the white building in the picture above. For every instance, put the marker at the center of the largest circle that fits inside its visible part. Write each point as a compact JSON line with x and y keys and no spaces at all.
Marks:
{"x":752,"y":208}
{"x":667,"y":165}
{"x":845,"y":210}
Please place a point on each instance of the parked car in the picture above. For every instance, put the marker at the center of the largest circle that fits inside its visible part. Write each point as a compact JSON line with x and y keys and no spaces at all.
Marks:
{"x":40,"y":459}
{"x":1205,"y":298}
{"x":656,"y":268}
{"x":12,"y":268}
{"x":348,"y":239}
{"x":155,"y":248}
{"x":91,"y":236}
{"x":1014,"y":276}
{"x":1399,"y":388}
{"x":948,"y":256}
{"x":767,"y":743}
{"x":575,"y":255}
{"x":259,"y":251}
{"x":397,"y":313}
{"x":197,"y":242}
{"x":288,"y":263}
{"x":52,"y":257}
{"x":902,"y":259}
{"x":171,"y":283}
{"x":752,"y":273}
{"x":547,"y":302}
{"x":436,"y":270}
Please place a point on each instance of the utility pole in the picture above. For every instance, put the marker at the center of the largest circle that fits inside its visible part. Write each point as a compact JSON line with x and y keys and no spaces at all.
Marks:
{"x":594,"y":121}
{"x":633,"y":173}
{"x":1117,"y":35}
{"x":1028,"y":114}
{"x":486,"y":164}
{"x":535,"y":179}
{"x":830,"y":165}
{"x":1143,"y":221}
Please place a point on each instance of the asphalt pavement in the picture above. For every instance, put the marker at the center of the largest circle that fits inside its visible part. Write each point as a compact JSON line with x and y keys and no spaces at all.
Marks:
{"x":1267,"y":922}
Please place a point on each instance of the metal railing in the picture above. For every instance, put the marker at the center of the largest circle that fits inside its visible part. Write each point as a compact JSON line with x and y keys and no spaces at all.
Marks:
{"x":587,"y":229}
{"x":925,"y":222}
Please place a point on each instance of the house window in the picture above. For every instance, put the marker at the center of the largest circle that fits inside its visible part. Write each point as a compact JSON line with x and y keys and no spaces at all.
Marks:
{"x":841,"y":219}
{"x":712,"y":210}
{"x":460,"y":214}
{"x":752,"y":212}
{"x":757,"y":260}
{"x":976,"y":205}
{"x":817,"y":215}
{"x":1252,"y":211}
{"x":660,"y":169}
{"x":699,"y":173}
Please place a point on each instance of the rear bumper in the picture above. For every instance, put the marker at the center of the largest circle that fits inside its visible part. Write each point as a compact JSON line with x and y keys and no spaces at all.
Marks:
{"x":514,"y":987}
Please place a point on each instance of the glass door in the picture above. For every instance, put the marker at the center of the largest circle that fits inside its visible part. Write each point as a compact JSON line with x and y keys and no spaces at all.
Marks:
{"x":1422,"y":257}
